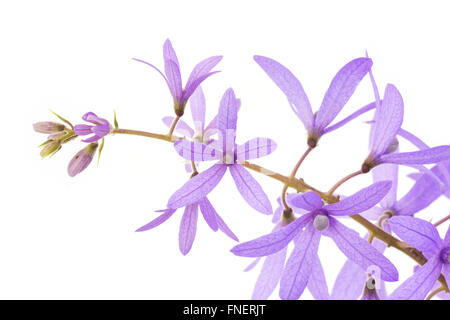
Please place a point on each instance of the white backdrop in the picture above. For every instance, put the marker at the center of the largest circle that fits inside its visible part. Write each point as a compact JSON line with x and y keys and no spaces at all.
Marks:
{"x":63,"y":237}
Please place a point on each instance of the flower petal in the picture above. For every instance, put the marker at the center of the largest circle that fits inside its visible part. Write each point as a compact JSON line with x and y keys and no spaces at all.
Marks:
{"x":226,"y":120}
{"x":387,"y":172}
{"x":431,"y":155}
{"x":272,"y":242}
{"x":197,"y":187}
{"x":198,"y":109}
{"x":349,"y":283}
{"x":360,"y":251}
{"x":418,"y":285}
{"x":201,"y":70}
{"x":250,"y":189}
{"x":93,"y":118}
{"x":182,"y":127}
{"x":82,"y":129}
{"x":360,"y":201}
{"x":341,"y":89}
{"x":92,"y":139}
{"x":291,"y":87}
{"x":157,"y":221}
{"x":255,"y":148}
{"x":174,"y":79}
{"x":317,"y":283}
{"x":188,"y":228}
{"x":299,"y":265}
{"x":270,"y":275}
{"x":309,"y":201}
{"x":195,"y":151}
{"x":418,"y":233}
{"x":209,"y":213}
{"x":388,"y":120}
{"x":225,"y":229}
{"x":151,"y":65}
{"x":169,"y":52}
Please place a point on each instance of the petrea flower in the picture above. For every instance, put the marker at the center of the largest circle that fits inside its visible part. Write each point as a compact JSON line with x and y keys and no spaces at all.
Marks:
{"x":82,"y":159}
{"x":58,"y":134}
{"x":100,"y":128}
{"x":320,"y":219}
{"x":173,"y":76}
{"x":228,"y":154}
{"x":424,"y":236}
{"x":188,"y":225}
{"x":199,"y":133}
{"x":339,"y":92}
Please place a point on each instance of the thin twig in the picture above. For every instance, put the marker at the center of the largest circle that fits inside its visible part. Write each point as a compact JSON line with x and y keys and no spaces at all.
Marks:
{"x":172,"y":126}
{"x":343,"y":180}
{"x":442,"y":221}
{"x":435,"y":292}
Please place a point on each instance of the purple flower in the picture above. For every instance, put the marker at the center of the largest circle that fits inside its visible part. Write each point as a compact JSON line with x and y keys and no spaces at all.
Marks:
{"x":100,"y":128}
{"x":82,"y":159}
{"x":320,"y":219}
{"x":339,"y":92}
{"x":49,"y":127}
{"x":424,"y":236}
{"x":173,"y":76}
{"x":188,"y":225}
{"x":229,"y":154}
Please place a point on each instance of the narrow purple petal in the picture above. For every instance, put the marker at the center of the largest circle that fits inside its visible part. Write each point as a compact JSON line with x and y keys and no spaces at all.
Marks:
{"x":92,"y":139}
{"x":418,"y":233}
{"x":299,"y":265}
{"x":272,"y":242}
{"x":169,"y":52}
{"x":157,"y":221}
{"x":209,"y":213}
{"x":388,"y":120}
{"x":225,"y":229}
{"x":250,"y":189}
{"x":309,"y":201}
{"x":195,"y":151}
{"x":174,"y":79}
{"x":291,"y":87}
{"x":255,"y":148}
{"x":202,"y":69}
{"x":189,"y":90}
{"x":188,"y":228}
{"x":197,"y":187}
{"x":101,"y":130}
{"x":360,"y":251}
{"x":93,"y":118}
{"x":431,"y":155}
{"x":341,"y":89}
{"x":317,"y":283}
{"x":252,"y":265}
{"x":270,"y":275}
{"x":349,"y":282}
{"x":212,"y":126}
{"x":360,"y":201}
{"x":82,"y":129}
{"x":227,"y":118}
{"x":151,"y":65}
{"x":198,"y":109}
{"x":387,"y":172}
{"x":373,"y":213}
{"x":418,"y":285}
{"x":182,"y":127}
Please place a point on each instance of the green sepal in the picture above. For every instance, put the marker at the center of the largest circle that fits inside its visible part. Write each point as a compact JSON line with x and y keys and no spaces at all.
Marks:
{"x":62,"y":119}
{"x":116,"y":124}
{"x":100,"y":150}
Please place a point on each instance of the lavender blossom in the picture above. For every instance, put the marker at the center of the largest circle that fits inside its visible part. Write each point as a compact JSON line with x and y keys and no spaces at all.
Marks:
{"x":425,"y":237}
{"x":339,"y":92}
{"x":173,"y":76}
{"x":82,"y":159}
{"x":320,"y":219}
{"x":100,"y":128}
{"x":229,"y":154}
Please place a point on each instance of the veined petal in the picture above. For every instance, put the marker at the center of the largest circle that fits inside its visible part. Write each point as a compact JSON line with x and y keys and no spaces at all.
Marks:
{"x":373,"y":213}
{"x":388,"y":120}
{"x":198,"y":109}
{"x":418,"y":233}
{"x":421,"y":195}
{"x":225,"y":229}
{"x":299,"y":265}
{"x":349,"y":283}
{"x":169,"y":53}
{"x":431,"y":155}
{"x":360,"y":201}
{"x":291,"y":87}
{"x":212,"y":126}
{"x":317,"y":283}
{"x":189,"y":90}
{"x":309,"y":201}
{"x":360,"y":251}
{"x":154,"y":67}
{"x":197,"y":187}
{"x":174,"y":79}
{"x":270,"y":275}
{"x":188,"y":228}
{"x":387,"y":172}
{"x":195,"y":151}
{"x":272,"y":242}
{"x":159,"y":220}
{"x":182,"y":127}
{"x":420,"y":283}
{"x":226,"y":120}
{"x":250,"y":189}
{"x":92,"y":139}
{"x":209,"y":213}
{"x":202,"y":69}
{"x":93,"y":118}
{"x":82,"y":129}
{"x":255,"y":148}
{"x":341,"y":89}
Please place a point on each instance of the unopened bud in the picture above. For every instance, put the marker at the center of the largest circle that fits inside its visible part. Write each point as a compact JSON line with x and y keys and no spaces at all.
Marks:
{"x":82,"y":159}
{"x":50,"y":147}
{"x":48,"y":127}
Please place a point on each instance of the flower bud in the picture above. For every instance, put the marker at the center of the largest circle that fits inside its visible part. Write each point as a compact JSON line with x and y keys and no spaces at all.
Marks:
{"x":48,"y":127}
{"x":82,"y":159}
{"x":50,"y":147}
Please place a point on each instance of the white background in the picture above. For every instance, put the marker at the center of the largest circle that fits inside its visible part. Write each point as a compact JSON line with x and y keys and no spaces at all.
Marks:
{"x":63,"y":237}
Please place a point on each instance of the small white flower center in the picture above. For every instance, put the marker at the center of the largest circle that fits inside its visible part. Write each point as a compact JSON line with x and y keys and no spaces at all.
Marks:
{"x":321,"y":222}
{"x":198,"y":137}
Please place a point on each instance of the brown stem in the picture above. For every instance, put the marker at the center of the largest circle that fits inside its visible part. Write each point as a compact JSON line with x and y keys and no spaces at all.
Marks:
{"x":147,"y":134}
{"x":173,"y":125}
{"x":434,"y":292}
{"x":342,"y":181}
{"x":442,"y":221}
{"x":194,"y":168}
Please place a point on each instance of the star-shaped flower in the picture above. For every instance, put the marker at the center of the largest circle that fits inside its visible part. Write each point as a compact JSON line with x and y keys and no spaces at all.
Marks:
{"x":172,"y":76}
{"x":228,"y":154}
{"x":100,"y":128}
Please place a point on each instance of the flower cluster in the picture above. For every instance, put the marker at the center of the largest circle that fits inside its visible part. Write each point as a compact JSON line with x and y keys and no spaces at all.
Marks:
{"x":304,"y":216}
